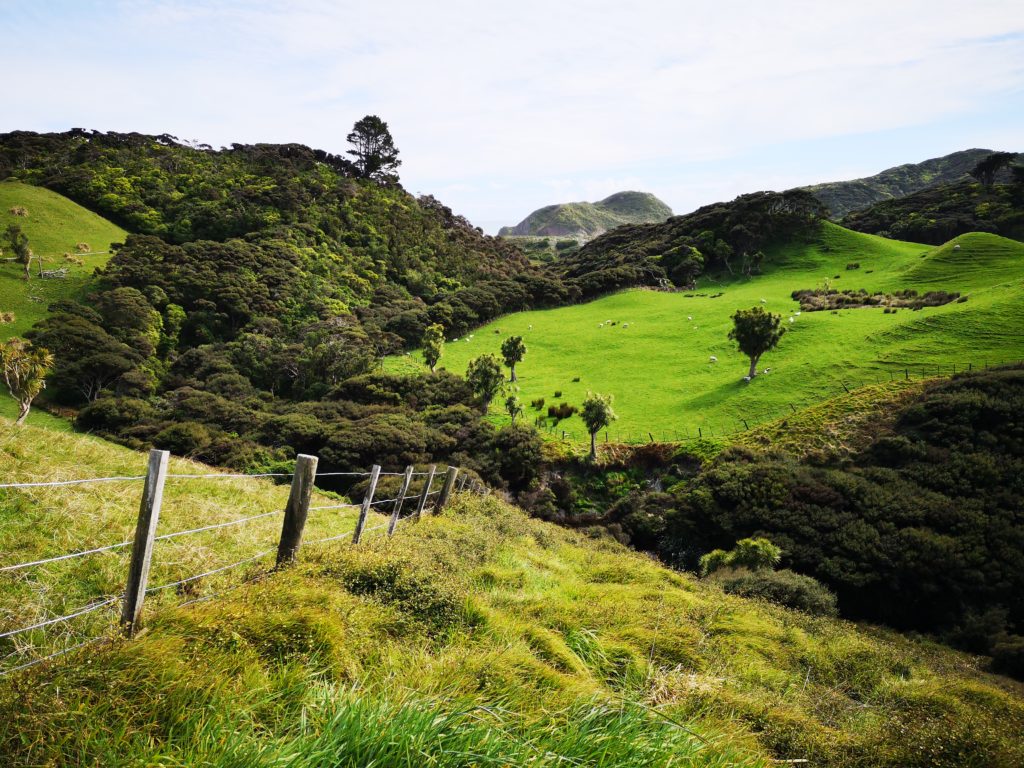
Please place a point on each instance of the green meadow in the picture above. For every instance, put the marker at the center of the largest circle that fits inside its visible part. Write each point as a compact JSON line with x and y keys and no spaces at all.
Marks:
{"x":652,"y":350}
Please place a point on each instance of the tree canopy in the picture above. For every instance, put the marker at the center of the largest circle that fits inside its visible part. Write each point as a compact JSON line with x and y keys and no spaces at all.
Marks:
{"x":597,"y":414}
{"x":24,"y":369}
{"x":484,"y":376}
{"x":755,"y":332}
{"x":374,"y":150}
{"x":512,"y":350}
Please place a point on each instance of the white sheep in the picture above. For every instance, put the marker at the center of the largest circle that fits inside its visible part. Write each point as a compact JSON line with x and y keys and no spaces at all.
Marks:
{"x":713,"y":359}
{"x":764,"y":301}
{"x":600,"y":325}
{"x":531,"y":326}
{"x":625,"y":325}
{"x":796,"y":313}
{"x":956,"y":247}
{"x":792,"y":319}
{"x":746,"y":378}
{"x":689,"y":317}
{"x":767,"y":370}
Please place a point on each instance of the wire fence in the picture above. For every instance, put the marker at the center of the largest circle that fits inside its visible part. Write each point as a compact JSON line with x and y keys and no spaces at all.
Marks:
{"x":33,"y":642}
{"x":753,"y":418}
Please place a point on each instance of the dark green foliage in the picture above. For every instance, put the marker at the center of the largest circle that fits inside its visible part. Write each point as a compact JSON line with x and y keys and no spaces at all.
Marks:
{"x":922,"y":530}
{"x":817,"y":299}
{"x":512,"y":351}
{"x":755,"y":332}
{"x":987,"y":168}
{"x":724,"y":237}
{"x":484,"y":376}
{"x":784,"y":587}
{"x":374,"y":150}
{"x":939,"y":214}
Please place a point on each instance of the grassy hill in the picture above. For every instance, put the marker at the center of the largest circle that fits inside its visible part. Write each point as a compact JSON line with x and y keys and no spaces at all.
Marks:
{"x":655,"y":357}
{"x":55,"y":226}
{"x":477,"y":638}
{"x":841,"y":197}
{"x":586,"y":220}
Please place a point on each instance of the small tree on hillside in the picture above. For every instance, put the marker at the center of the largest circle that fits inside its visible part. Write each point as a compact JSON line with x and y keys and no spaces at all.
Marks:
{"x":485,"y":378}
{"x":24,"y":368}
{"x":433,"y":344}
{"x":513,"y":407}
{"x":18,"y":242}
{"x":597,"y":414}
{"x":755,"y":332}
{"x":754,"y":554}
{"x":374,"y":150}
{"x":987,"y":168}
{"x":513,"y":349}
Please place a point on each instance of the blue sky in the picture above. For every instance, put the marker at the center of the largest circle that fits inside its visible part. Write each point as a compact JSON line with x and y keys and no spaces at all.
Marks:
{"x":502,"y":108}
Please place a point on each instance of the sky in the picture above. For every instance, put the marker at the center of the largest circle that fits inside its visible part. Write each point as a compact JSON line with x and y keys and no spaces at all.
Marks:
{"x":501,"y":108}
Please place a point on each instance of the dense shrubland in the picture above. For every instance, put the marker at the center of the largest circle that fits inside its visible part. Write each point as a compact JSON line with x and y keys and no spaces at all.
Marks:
{"x":922,"y":528}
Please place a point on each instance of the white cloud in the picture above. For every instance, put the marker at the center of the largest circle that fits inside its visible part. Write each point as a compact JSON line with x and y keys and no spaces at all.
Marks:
{"x":591,"y":93}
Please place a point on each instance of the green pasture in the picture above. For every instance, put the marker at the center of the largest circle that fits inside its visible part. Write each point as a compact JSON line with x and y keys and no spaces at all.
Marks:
{"x":55,"y":226}
{"x":656,"y":357}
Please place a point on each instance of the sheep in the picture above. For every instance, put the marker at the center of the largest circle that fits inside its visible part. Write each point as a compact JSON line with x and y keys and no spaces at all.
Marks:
{"x":689,"y":317}
{"x":764,"y":301}
{"x":746,"y":378}
{"x":767,"y":370}
{"x":625,"y":325}
{"x":792,"y":319}
{"x":796,"y":313}
{"x":713,"y":359}
{"x":531,"y":326}
{"x":956,"y":247}
{"x":600,"y":325}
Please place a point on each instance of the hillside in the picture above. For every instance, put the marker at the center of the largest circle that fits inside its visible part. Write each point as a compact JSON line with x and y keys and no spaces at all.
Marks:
{"x":653,"y":350}
{"x":586,"y":220}
{"x":65,"y":235}
{"x":842,"y":197}
{"x":478,"y":637}
{"x":940,"y":213}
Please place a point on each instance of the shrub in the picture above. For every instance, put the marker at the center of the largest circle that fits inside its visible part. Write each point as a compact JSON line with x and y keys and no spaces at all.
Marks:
{"x":558,"y":393}
{"x":82,"y":247}
{"x":1008,"y":656}
{"x":576,"y":380}
{"x":537,"y":404}
{"x":755,"y":554}
{"x":853,"y":265}
{"x":186,"y":438}
{"x":7,"y":317}
{"x":785,"y":587}
{"x":19,"y":210}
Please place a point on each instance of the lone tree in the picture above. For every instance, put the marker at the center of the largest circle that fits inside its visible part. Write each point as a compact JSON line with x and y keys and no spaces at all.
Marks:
{"x":433,"y":344}
{"x":18,"y":242}
{"x":513,"y":349}
{"x":485,"y":378}
{"x":987,"y":168}
{"x":513,"y":407}
{"x":597,"y":414}
{"x":374,"y":150}
{"x":755,"y":332}
{"x":25,"y":368}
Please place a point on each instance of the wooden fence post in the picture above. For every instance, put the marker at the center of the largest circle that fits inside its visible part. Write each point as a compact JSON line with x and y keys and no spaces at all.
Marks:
{"x":446,"y":490}
{"x":399,"y":500}
{"x":297,"y":509}
{"x":142,"y":546}
{"x":367,"y":500}
{"x":425,"y":493}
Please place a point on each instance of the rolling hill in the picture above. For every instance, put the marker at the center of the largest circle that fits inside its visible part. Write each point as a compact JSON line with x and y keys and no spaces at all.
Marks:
{"x":586,"y":220}
{"x":842,"y":197}
{"x":653,"y":350}
{"x":479,"y":637}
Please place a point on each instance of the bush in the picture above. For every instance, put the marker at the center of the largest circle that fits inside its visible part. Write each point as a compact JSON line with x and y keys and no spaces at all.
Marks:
{"x":537,"y":404}
{"x":853,"y":265}
{"x":186,"y":438}
{"x":785,"y":587}
{"x":1008,"y":656}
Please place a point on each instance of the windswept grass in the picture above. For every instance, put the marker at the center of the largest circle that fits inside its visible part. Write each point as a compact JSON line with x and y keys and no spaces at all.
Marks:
{"x":483,"y":637}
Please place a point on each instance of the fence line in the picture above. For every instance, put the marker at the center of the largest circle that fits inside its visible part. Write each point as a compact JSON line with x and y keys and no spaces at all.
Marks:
{"x":295,"y":514}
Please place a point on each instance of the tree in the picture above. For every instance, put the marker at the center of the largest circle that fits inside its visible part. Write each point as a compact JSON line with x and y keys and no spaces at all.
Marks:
{"x":755,"y":554}
{"x":485,"y":378}
{"x":433,"y":345}
{"x":597,"y":414}
{"x":755,"y":332}
{"x":987,"y":168}
{"x":25,"y":368}
{"x":374,"y":150}
{"x":513,"y":407}
{"x":513,"y":349}
{"x":18,"y":242}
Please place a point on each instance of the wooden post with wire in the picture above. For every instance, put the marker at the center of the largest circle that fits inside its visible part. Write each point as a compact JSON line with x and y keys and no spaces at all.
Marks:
{"x":364,"y":510}
{"x":399,"y":499}
{"x":297,"y":509}
{"x":425,"y":493}
{"x":142,"y":546}
{"x":446,"y":490}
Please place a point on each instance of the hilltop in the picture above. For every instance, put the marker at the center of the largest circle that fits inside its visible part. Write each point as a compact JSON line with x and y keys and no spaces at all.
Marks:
{"x":477,"y":634}
{"x":842,"y":197}
{"x":586,"y":220}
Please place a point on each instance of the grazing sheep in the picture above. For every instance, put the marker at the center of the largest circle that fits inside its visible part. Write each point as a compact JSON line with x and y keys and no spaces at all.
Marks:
{"x":531,"y":326}
{"x":689,"y":317}
{"x":600,"y":325}
{"x":796,"y":313}
{"x":746,"y":378}
{"x":764,"y":301}
{"x":713,"y":359}
{"x":792,"y":319}
{"x":767,"y":370}
{"x":956,"y":247}
{"x":625,"y":325}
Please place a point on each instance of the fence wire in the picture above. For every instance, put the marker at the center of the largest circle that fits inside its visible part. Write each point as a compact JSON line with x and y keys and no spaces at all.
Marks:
{"x":84,"y":481}
{"x":198,"y":576}
{"x":59,"y":619}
